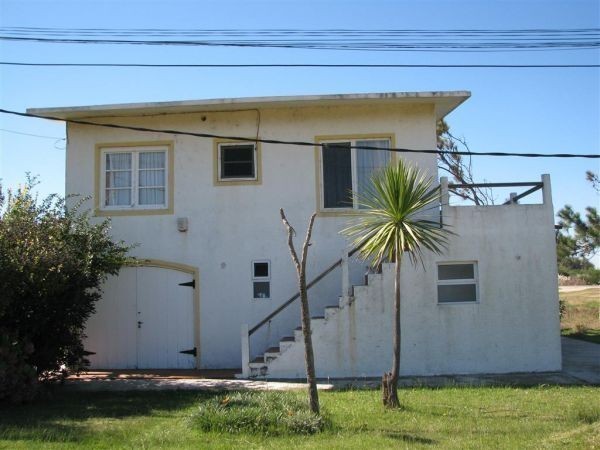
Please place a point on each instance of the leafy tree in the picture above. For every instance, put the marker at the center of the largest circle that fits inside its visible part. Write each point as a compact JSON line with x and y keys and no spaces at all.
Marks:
{"x":459,"y":167}
{"x":391,"y":225}
{"x":579,"y":237}
{"x":300,"y":263}
{"x":594,"y":179}
{"x":53,"y":261}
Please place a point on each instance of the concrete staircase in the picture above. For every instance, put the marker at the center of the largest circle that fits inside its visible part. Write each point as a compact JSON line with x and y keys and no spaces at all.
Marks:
{"x":287,"y":359}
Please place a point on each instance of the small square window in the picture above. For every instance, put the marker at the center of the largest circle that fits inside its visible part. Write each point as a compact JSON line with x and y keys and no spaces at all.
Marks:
{"x":262,"y":289}
{"x":261,"y":270}
{"x":261,"y":276}
{"x":237,"y":162}
{"x":457,"y":282}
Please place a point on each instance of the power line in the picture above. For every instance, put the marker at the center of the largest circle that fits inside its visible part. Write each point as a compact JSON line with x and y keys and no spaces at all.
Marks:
{"x":303,"y":65}
{"x":363,"y":46}
{"x":32,"y":135}
{"x":313,"y":31}
{"x":298,"y":143}
{"x":457,"y":40}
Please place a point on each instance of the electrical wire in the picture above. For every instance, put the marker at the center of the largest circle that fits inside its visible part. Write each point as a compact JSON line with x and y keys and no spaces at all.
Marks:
{"x":301,"y":65}
{"x":32,"y":135}
{"x":457,"y":40}
{"x":298,"y":143}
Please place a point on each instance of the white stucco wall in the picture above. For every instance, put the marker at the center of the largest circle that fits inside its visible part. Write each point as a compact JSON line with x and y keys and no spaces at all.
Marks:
{"x":229,"y":226}
{"x":514,"y":327}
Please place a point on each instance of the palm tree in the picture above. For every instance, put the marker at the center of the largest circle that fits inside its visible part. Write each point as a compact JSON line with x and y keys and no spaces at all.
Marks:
{"x":391,"y":224}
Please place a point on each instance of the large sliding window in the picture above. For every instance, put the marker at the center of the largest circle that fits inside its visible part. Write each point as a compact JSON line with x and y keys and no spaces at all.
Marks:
{"x":345,"y":168}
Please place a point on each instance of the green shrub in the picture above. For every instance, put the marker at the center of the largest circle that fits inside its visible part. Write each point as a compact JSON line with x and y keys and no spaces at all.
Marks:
{"x":590,"y":276}
{"x":53,"y":261}
{"x":18,"y":379}
{"x":268,"y":413}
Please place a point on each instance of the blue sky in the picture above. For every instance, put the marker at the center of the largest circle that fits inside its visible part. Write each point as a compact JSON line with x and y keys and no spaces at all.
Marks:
{"x":524,"y":110}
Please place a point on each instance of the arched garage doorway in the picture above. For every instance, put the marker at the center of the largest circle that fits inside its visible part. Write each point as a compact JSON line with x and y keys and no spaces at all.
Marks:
{"x":148,"y":318}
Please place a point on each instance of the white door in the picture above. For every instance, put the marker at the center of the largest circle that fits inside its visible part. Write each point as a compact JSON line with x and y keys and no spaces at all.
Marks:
{"x":144,"y":320}
{"x":165,"y":325}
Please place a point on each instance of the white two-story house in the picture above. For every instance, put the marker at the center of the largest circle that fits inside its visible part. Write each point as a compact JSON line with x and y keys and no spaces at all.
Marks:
{"x":197,"y":185}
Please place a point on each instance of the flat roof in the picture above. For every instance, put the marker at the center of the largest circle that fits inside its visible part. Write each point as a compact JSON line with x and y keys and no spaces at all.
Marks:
{"x":445,"y":102}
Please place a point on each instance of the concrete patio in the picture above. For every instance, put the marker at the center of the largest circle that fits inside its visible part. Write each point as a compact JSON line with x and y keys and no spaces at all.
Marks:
{"x":581,"y":366}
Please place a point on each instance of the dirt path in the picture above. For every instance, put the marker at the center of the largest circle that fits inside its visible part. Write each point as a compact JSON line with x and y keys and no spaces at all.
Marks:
{"x":578,"y":288}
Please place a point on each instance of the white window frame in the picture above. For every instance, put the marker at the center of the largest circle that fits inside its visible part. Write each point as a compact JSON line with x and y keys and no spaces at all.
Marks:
{"x":134,"y":151}
{"x":220,"y":146}
{"x":458,"y":281}
{"x":353,"y":168}
{"x":266,"y":279}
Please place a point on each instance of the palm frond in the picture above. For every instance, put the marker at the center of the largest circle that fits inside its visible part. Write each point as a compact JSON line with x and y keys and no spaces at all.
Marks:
{"x":392,"y":211}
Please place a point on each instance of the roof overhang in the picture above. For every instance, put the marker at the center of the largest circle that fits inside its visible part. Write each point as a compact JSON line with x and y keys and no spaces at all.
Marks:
{"x":444,"y":101}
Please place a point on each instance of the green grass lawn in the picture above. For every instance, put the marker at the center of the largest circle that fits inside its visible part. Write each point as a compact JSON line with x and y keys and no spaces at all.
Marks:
{"x":581,"y":318}
{"x":543,"y":417}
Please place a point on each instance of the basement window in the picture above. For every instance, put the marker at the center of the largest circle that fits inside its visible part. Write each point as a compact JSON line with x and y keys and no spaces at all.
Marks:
{"x":261,"y":279}
{"x":457,"y":282}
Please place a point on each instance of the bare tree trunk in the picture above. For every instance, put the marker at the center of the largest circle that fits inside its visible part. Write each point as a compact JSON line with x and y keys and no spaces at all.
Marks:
{"x":389,"y":382}
{"x":309,"y":359}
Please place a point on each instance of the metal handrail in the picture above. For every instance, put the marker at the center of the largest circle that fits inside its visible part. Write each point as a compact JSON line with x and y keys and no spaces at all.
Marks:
{"x":537,"y":185}
{"x":297,"y":294}
{"x":524,"y":194}
{"x":491,"y":185}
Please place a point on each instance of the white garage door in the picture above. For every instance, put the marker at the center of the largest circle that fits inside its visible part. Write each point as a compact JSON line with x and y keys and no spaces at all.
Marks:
{"x":144,"y":320}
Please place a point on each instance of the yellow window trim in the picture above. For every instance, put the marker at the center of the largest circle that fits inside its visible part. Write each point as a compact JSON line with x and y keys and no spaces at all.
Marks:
{"x":217,"y":182}
{"x":134,"y":212}
{"x":338,"y":212}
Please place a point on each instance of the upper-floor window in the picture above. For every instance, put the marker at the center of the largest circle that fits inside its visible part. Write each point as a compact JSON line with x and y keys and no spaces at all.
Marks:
{"x":134,"y":178}
{"x":237,"y":163}
{"x":345,"y":169}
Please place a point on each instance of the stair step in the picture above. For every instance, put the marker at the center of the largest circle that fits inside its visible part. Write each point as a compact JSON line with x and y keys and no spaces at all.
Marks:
{"x":333,"y":307}
{"x":288,"y":339}
{"x":317,"y":317}
{"x":258,"y":360}
{"x":298,"y":328}
{"x":271,"y":354}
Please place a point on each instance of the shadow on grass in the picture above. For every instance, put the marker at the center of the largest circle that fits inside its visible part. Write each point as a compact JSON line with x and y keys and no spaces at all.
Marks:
{"x":588,"y":335}
{"x":69,"y":416}
{"x":409,"y":438}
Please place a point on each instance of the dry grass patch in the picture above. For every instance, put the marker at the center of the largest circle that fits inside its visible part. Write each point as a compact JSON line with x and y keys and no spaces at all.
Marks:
{"x":581,"y":316}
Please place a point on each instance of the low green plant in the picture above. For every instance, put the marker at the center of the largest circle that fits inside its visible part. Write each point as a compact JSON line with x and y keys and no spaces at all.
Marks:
{"x":266,"y":413}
